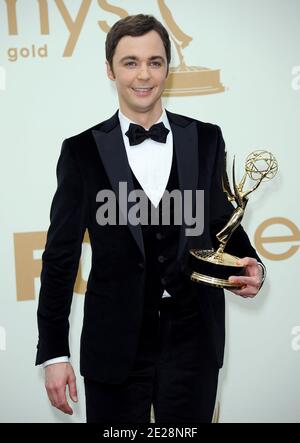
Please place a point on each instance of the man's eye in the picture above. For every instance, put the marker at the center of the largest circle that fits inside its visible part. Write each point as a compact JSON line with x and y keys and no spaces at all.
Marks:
{"x":130,"y":64}
{"x":156,"y":64}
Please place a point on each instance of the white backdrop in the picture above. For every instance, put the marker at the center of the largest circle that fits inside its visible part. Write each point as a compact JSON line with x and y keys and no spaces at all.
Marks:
{"x":53,"y":85}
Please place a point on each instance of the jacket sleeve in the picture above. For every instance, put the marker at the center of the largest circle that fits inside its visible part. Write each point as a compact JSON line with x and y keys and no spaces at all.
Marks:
{"x":61,"y":258}
{"x":221,"y":210}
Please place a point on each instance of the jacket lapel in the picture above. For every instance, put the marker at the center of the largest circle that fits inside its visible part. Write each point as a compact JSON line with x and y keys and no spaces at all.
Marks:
{"x":185,"y":136}
{"x":112,"y":152}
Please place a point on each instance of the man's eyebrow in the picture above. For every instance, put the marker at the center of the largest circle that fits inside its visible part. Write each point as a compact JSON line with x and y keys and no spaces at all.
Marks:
{"x":155,"y":57}
{"x":134,"y":57}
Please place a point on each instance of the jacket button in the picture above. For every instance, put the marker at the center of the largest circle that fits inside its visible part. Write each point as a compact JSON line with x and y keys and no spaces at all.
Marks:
{"x":161,"y":258}
{"x":159,"y":236}
{"x":141,"y":265}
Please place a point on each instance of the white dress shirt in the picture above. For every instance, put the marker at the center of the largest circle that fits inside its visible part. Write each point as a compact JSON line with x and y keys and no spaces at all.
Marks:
{"x":151,"y":163}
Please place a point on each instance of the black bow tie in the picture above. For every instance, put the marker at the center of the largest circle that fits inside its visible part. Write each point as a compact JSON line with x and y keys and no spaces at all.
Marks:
{"x":137,"y":134}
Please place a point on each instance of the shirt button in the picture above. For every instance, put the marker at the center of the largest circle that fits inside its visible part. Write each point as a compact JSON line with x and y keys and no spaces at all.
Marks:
{"x":161,"y":258}
{"x":159,"y":236}
{"x":164,"y":281}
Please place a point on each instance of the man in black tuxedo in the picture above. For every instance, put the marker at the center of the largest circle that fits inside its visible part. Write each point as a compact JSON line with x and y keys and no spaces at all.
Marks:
{"x":150,"y":335}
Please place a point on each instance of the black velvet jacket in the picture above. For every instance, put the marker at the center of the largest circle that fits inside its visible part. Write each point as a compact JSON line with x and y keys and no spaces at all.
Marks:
{"x":95,"y":160}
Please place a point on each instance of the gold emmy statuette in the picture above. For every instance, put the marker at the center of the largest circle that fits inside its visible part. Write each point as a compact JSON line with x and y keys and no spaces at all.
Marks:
{"x":186,"y":80}
{"x":215,"y":267}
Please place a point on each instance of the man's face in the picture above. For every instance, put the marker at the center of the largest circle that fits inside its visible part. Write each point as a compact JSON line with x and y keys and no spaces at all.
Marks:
{"x":140,"y":71}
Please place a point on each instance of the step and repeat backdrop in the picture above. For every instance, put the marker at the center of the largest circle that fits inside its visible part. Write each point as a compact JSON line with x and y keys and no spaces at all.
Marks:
{"x":234,"y":63}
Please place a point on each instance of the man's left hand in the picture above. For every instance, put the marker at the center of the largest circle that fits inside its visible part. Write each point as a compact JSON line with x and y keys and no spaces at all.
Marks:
{"x":250,"y":281}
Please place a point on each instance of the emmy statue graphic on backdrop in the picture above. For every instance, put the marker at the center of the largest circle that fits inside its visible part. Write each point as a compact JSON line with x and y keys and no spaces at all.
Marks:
{"x":215,"y":267}
{"x":184,"y":80}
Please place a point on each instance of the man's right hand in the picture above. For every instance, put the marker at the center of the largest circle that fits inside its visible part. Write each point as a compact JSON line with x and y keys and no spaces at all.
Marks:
{"x":57,"y":377}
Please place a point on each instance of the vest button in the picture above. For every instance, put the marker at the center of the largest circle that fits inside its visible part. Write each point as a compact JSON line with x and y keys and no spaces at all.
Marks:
{"x":159,"y":236}
{"x":161,"y":259}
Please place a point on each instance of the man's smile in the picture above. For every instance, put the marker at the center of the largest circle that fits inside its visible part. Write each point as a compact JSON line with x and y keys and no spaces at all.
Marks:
{"x":141,"y":92}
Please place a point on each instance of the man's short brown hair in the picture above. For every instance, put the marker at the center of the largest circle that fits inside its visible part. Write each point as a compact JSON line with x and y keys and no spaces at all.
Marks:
{"x":135,"y":25}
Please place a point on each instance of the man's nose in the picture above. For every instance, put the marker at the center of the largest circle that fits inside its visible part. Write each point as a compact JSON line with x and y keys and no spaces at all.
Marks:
{"x":143,"y":72}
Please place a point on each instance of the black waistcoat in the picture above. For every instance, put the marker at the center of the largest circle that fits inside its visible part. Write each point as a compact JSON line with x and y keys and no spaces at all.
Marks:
{"x":161,"y":245}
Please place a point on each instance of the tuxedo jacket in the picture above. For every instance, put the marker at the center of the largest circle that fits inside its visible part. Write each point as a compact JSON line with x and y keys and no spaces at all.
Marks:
{"x":96,"y":160}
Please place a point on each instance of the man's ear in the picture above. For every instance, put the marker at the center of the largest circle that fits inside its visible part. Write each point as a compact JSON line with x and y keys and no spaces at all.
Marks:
{"x":109,"y":71}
